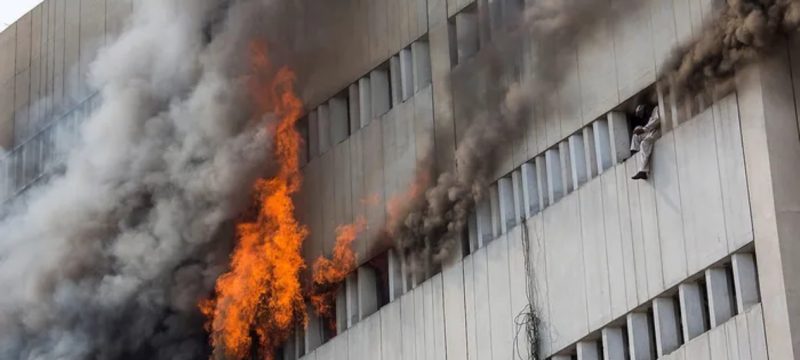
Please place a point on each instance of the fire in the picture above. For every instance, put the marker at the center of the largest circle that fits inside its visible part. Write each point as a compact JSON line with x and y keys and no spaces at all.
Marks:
{"x":329,"y":274}
{"x":261,"y":296}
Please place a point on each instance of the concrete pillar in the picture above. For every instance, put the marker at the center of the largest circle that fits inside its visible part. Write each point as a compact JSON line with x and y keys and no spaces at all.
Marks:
{"x":577,"y":152}
{"x":351,"y":285}
{"x":421,"y":56}
{"x":542,"y":181}
{"x":290,"y":348}
{"x":566,"y":167}
{"x":313,"y":331}
{"x":590,"y":151}
{"x":354,"y":107}
{"x":313,"y":134}
{"x":494,"y":203}
{"x":745,"y":280}
{"x":555,"y":183}
{"x":693,"y":310}
{"x":765,"y":94}
{"x":367,"y":292}
{"x":508,"y":214}
{"x":721,"y":303}
{"x":484,"y":223}
{"x":365,"y":100}
{"x":299,"y":341}
{"x":520,"y":200}
{"x":407,"y":73}
{"x":381,"y":94}
{"x":641,"y":342}
{"x":620,"y":137}
{"x":589,"y":350}
{"x":341,"y":309}
{"x":666,"y":321}
{"x":395,"y":80}
{"x":530,"y":189}
{"x":614,"y":347}
{"x":602,"y":144}
{"x":324,"y":123}
{"x":472,"y":232}
{"x":467,"y":38}
{"x":339,"y":121}
{"x":395,"y":275}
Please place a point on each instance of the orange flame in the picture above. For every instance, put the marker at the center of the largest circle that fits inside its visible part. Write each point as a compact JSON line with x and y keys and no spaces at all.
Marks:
{"x":261,"y":297}
{"x":329,"y":274}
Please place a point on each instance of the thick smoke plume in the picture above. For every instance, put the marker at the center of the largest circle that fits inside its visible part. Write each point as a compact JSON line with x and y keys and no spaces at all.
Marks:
{"x":109,"y":260}
{"x":742,"y":31}
{"x":431,"y":222}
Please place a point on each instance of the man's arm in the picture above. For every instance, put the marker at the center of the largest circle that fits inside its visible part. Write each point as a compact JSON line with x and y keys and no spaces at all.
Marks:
{"x":655,"y":120}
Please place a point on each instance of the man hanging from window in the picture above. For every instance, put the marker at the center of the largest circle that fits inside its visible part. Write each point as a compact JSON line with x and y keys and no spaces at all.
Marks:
{"x":644,"y":139}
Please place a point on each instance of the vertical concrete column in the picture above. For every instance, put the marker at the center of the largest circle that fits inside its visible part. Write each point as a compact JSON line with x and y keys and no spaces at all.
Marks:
{"x":339,"y":121}
{"x":467,"y":38}
{"x":589,"y":350}
{"x":484,"y":215}
{"x":351,"y":284}
{"x":530,"y":189}
{"x":542,"y":181}
{"x":620,"y":137}
{"x":614,"y":344}
{"x":745,"y":279}
{"x":472,"y":232}
{"x":354,"y":107}
{"x":380,"y":91}
{"x":721,"y":305}
{"x":421,"y":57}
{"x":313,"y":332}
{"x":289,"y":348}
{"x":577,"y":153}
{"x":313,"y":134}
{"x":641,"y":342}
{"x":494,"y":203}
{"x":367,"y":292}
{"x":365,"y":100}
{"x":395,"y":80}
{"x":520,"y":200}
{"x":561,"y":357}
{"x":299,"y":341}
{"x":508,"y":213}
{"x":341,"y":308}
{"x":765,"y":93}
{"x":324,"y":123}
{"x":693,"y":310}
{"x":566,"y":167}
{"x":602,"y":145}
{"x":591,"y":152}
{"x":555,"y":184}
{"x":407,"y":73}
{"x":395,"y":275}
{"x":667,"y":325}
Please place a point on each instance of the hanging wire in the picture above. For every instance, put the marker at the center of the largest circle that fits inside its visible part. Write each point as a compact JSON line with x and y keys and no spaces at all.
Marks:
{"x":527,"y":321}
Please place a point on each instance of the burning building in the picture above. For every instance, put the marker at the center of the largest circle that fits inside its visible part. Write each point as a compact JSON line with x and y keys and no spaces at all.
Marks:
{"x":399,"y":179}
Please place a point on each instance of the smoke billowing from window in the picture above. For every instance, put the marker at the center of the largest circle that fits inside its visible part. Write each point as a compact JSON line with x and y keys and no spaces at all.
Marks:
{"x":109,"y":260}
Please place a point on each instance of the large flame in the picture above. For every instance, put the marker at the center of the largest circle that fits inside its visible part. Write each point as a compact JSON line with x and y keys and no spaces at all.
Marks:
{"x":329,"y":274}
{"x":261,"y":297}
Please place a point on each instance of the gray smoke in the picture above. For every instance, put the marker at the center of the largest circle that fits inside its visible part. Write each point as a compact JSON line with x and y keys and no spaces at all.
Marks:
{"x":742,"y":31}
{"x":435,"y":218}
{"x":110,"y":259}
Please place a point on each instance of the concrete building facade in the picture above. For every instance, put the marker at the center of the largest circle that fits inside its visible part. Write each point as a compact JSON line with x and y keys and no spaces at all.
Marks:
{"x":696,"y":263}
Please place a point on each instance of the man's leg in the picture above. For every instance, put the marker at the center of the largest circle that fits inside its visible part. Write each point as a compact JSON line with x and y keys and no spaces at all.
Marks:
{"x":643,"y":158}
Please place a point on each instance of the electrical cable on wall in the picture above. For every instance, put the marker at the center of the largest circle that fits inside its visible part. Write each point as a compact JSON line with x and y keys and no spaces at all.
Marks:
{"x":528,"y":320}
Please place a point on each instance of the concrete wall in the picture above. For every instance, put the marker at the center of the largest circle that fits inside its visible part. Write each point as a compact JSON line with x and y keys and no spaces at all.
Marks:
{"x":45,"y":59}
